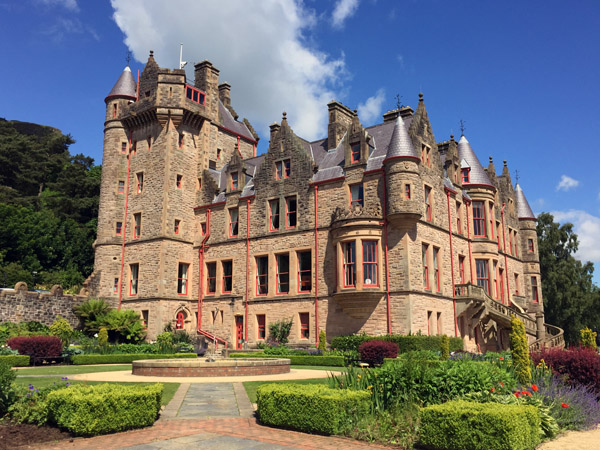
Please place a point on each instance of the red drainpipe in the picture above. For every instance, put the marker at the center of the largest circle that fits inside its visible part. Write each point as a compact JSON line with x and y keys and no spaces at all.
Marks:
{"x":124,"y":231}
{"x":505,"y":258}
{"x":387,"y":265}
{"x":452,"y":263}
{"x":469,"y":240}
{"x":317,"y":263}
{"x":201,"y":270}
{"x":247,"y":264}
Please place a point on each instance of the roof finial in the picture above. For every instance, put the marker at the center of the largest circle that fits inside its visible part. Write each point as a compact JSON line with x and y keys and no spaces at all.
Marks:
{"x":491,"y":160}
{"x":128,"y":57}
{"x":399,"y":104}
{"x":420,"y":97}
{"x":462,"y":127}
{"x":151,"y":53}
{"x":517,"y":176}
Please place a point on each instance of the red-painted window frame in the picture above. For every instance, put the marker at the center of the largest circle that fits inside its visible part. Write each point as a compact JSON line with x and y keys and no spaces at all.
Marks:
{"x":281,"y":276}
{"x":501,"y":276}
{"x":304,"y":325}
{"x":137,"y":228}
{"x":211,"y":278}
{"x":199,"y":184}
{"x":461,"y":269}
{"x":182,"y":278}
{"x":355,"y":152}
{"x":370,"y":265}
{"x":530,"y":245}
{"x":283,"y":169}
{"x":466,"y":175}
{"x":357,"y":195}
{"x":218,"y":154}
{"x":274,"y":218}
{"x":291,"y":213}
{"x":510,"y":241}
{"x":458,"y":218}
{"x":139,"y":188}
{"x":515,"y":240}
{"x":123,"y":147}
{"x":202,"y":228}
{"x":120,"y":187}
{"x":261,"y":326}
{"x":304,"y":271}
{"x":227,"y":267}
{"x":118,"y":228}
{"x":491,"y":219}
{"x":482,"y":270}
{"x":262,"y":276}
{"x":535,"y":295}
{"x":425,"y":261}
{"x":349,"y":261}
{"x":479,"y":219}
{"x":516,"y":284}
{"x":407,"y":191}
{"x":427,"y":193}
{"x":233,"y":226}
{"x":179,"y":181}
{"x":134,"y":273}
{"x":116,"y":286}
{"x":115,"y":110}
{"x":234,"y":181}
{"x":176,"y":226}
{"x":180,"y":141}
{"x":195,"y":95}
{"x":436,"y":269}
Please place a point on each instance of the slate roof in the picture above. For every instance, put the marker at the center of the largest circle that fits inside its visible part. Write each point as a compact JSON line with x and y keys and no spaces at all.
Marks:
{"x":469,"y":159}
{"x":523,"y":209}
{"x":231,"y":124}
{"x":125,"y":86}
{"x":400,"y":143}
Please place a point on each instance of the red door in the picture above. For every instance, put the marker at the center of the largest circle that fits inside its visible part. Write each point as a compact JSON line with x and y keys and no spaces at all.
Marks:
{"x":239,"y":331}
{"x":180,"y":321}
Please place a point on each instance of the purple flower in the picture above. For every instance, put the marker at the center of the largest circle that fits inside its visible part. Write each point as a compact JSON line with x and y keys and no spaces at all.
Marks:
{"x":31,"y":387}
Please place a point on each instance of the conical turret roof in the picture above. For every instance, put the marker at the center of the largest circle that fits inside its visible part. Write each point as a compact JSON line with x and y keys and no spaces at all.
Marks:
{"x":467,"y":155}
{"x":125,"y":86}
{"x":400,"y":145}
{"x":523,"y":209}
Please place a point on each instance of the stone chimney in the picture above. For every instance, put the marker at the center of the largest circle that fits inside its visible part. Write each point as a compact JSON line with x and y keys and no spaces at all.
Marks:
{"x":340,"y":120}
{"x":206,"y":78}
{"x":225,"y":93}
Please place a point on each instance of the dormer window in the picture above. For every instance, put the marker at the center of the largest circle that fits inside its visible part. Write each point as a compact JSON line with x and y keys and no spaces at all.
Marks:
{"x":234,"y":181}
{"x":466,"y":175}
{"x":355,"y":153}
{"x":282,"y":169}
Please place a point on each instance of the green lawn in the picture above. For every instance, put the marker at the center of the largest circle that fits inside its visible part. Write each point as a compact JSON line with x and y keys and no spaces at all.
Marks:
{"x":328,"y":368}
{"x":41,"y":382}
{"x":251,"y":386}
{"x":71,"y":370}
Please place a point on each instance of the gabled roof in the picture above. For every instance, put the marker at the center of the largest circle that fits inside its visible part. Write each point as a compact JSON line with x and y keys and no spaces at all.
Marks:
{"x":233,"y":125}
{"x":125,"y":86}
{"x":469,"y":159}
{"x":400,"y":143}
{"x":523,"y":209}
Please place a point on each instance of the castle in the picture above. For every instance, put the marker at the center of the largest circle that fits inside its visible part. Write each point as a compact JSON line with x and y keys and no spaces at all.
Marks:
{"x":377,"y":229}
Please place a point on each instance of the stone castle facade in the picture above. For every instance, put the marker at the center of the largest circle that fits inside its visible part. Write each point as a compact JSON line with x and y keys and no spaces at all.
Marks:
{"x":378,"y":229}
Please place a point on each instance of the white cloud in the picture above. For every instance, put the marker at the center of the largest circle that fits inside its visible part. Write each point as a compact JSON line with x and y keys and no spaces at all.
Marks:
{"x":566,"y":183}
{"x":587,"y":228}
{"x":258,"y":46}
{"x":343,"y":9}
{"x":68,"y":4}
{"x":370,"y":111}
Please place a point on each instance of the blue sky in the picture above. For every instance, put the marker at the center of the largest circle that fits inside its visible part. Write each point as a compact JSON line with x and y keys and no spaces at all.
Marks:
{"x":522,"y":75}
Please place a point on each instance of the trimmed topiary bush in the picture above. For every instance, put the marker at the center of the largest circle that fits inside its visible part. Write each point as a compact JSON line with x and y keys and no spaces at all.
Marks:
{"x":459,"y":425}
{"x":105,"y":408}
{"x":15,"y":360}
{"x":406,"y":343}
{"x":37,"y":346}
{"x":7,"y":388}
{"x":322,"y":340}
{"x":124,"y":358}
{"x":445,"y":346}
{"x":374,"y":352}
{"x":519,"y":348}
{"x":311,"y":408}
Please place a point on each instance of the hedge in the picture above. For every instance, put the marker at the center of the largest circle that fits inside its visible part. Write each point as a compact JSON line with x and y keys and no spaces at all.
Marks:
{"x":298,"y":360}
{"x":311,"y":408}
{"x":460,"y":425}
{"x":36,"y":346}
{"x":15,"y":360}
{"x":124,"y":359}
{"x":106,"y":408}
{"x":405,"y":343}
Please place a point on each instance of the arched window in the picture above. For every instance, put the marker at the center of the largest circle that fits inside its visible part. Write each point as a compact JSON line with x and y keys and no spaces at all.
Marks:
{"x":180,"y":321}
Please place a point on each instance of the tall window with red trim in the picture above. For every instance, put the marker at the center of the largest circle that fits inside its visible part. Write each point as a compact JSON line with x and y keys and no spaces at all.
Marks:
{"x":203,"y":229}
{"x":116,"y":286}
{"x":478,"y":219}
{"x":483,"y":275}
{"x":356,"y":195}
{"x":291,"y":214}
{"x":134,"y":270}
{"x":114,"y":110}
{"x":123,"y":147}
{"x":234,"y":181}
{"x":515,"y":240}
{"x":355,"y":151}
{"x":461,"y":269}
{"x":501,"y":276}
{"x":137,"y":228}
{"x":121,"y":187}
{"x":498,"y":232}
{"x":535,"y":296}
{"x":530,"y":245}
{"x":428,"y":203}
{"x":233,"y":222}
{"x":262,"y":275}
{"x":274,"y":215}
{"x":118,"y":228}
{"x":211,"y":277}
{"x":179,"y":182}
{"x":516,"y":284}
{"x":425,"y":260}
{"x":180,"y":140}
{"x":283,"y":273}
{"x":407,"y":191}
{"x":370,"y":272}
{"x":261,"y":326}
{"x":491,"y":219}
{"x":458,"y":218}
{"x":510,"y":241}
{"x":283,"y":169}
{"x":349,"y":249}
{"x":495,"y":273}
{"x":304,"y":325}
{"x":140,"y":182}
{"x":436,"y":269}
{"x":227,"y":276}
{"x":466,"y":175}
{"x":176,"y":226}
{"x":304,"y":271}
{"x":182,"y":278}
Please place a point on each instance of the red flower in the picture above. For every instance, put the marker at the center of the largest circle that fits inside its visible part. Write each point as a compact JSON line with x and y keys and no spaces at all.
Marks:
{"x":564,"y":405}
{"x":518,"y":394}
{"x":492,"y":390}
{"x":534,"y":388}
{"x":501,"y":358}
{"x":501,"y":383}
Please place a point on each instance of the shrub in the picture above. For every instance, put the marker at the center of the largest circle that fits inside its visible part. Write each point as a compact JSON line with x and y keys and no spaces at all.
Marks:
{"x":405,"y":343}
{"x":588,"y":338}
{"x":322,"y":341}
{"x":124,"y":359}
{"x":101,"y":409}
{"x":37,"y":346}
{"x":311,"y":408}
{"x":32,"y":404}
{"x":90,"y":311}
{"x":62,"y":329}
{"x":445,"y":346}
{"x":165,"y":340}
{"x":103,"y":337}
{"x":123,"y":325}
{"x":374,"y":352}
{"x":279,"y":331}
{"x":485,"y":426}
{"x":7,"y":388}
{"x":578,"y":365}
{"x":15,"y":360}
{"x":520,"y":351}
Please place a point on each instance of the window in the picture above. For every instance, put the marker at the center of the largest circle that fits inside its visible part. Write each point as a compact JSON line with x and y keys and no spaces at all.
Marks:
{"x":182,"y":279}
{"x":461,"y":269}
{"x":273,"y":215}
{"x":516,"y":284}
{"x":234,"y":181}
{"x":283,"y":273}
{"x":498,"y":231}
{"x":116,"y":286}
{"x":458,"y":218}
{"x":356,"y":153}
{"x":483,"y":274}
{"x":118,"y":228}
{"x":282,"y":169}
{"x":140,"y":182}
{"x":304,"y":326}
{"x":261,"y":326}
{"x":262,"y":275}
{"x":179,"y":181}
{"x":123,"y":147}
{"x":501,"y":276}
{"x":227,"y":276}
{"x":425,"y":155}
{"x":510,"y":241}
{"x":304,"y":271}
{"x":407,"y":191}
{"x":436,"y":269}
{"x":199,"y":184}
{"x":176,"y":226}
{"x":466,"y":175}
{"x":233,"y":222}
{"x":145,"y":317}
{"x":211,"y":277}
{"x":137,"y":229}
{"x":356,"y":193}
{"x":203,"y":229}
{"x":349,"y":249}
{"x":121,"y":187}
{"x":114,"y":110}
{"x":194,"y":94}
{"x":180,"y":141}
{"x":534,"y":290}
{"x":515,"y":243}
{"x":439,"y":323}
{"x":478,"y":219}
{"x":530,"y":245}
{"x":429,"y":324}
{"x":149,"y":142}
{"x":424,"y":252}
{"x":370,"y":275}
{"x":212,"y":164}
{"x":134,"y":270}
{"x":491,"y":219}
{"x":218,"y":154}
{"x":428,"y":203}
{"x":290,"y":212}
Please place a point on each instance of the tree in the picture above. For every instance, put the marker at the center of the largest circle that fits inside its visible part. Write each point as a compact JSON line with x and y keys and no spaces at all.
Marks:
{"x":570,"y":298}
